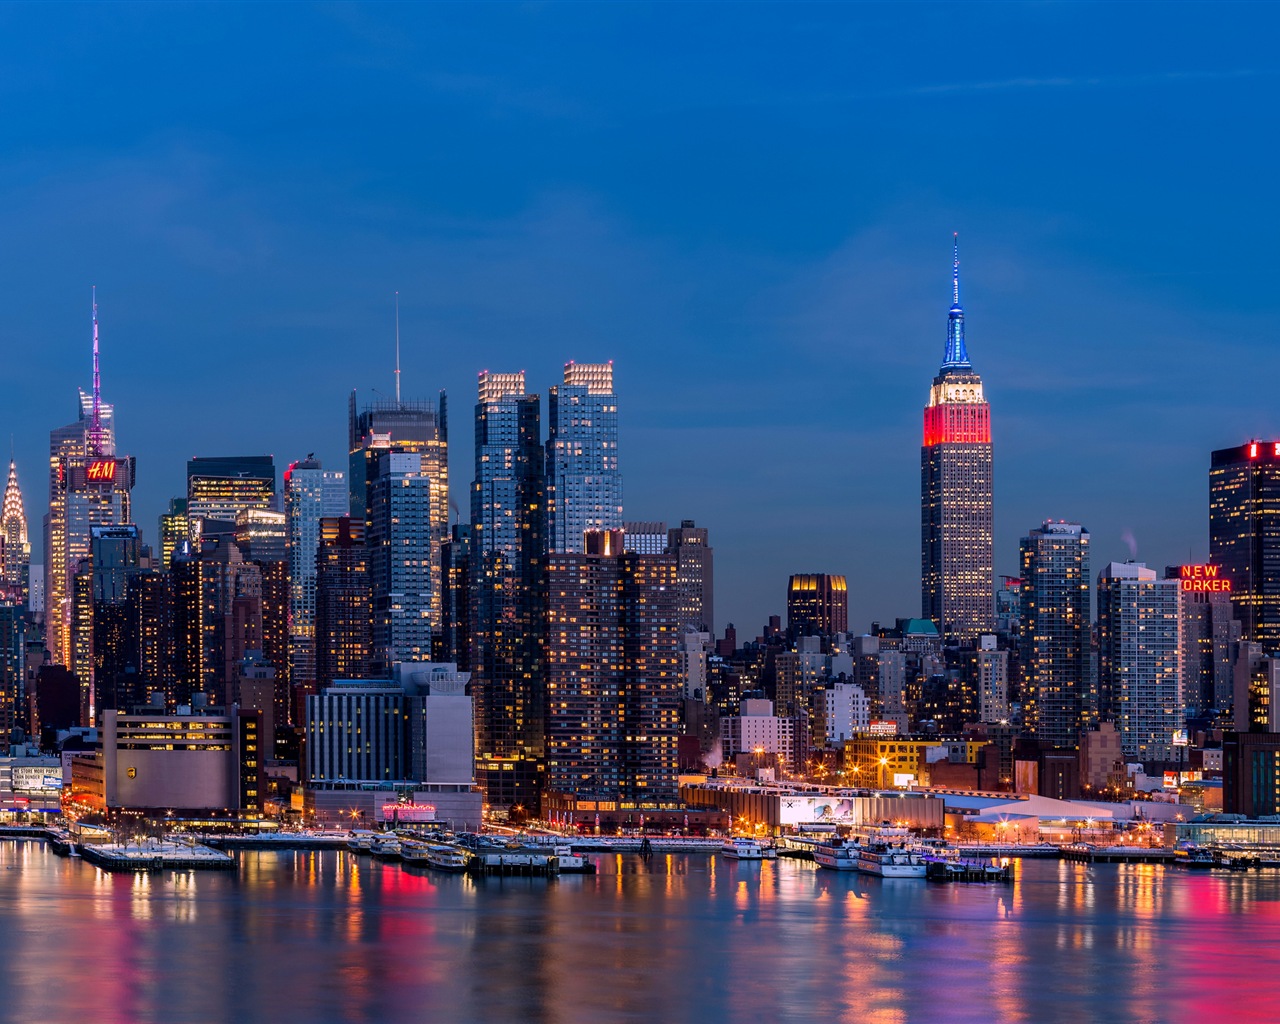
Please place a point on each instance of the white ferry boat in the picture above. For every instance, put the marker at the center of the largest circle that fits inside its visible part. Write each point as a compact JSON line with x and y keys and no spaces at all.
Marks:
{"x":361,"y":840}
{"x":446,"y":858}
{"x":891,"y":860}
{"x":740,"y":848}
{"x":413,"y":852}
{"x":837,"y":854}
{"x":386,"y":849}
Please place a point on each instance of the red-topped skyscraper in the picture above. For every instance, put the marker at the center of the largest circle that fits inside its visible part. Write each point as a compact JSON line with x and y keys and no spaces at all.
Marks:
{"x":955,"y":492}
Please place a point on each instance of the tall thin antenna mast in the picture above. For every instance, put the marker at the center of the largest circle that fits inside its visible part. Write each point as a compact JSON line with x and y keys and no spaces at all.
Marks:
{"x":95,"y":431}
{"x":397,"y":348}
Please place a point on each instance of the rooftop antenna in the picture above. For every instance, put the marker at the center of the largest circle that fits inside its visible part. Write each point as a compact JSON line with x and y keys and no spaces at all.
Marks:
{"x":397,"y":348}
{"x":95,"y":430}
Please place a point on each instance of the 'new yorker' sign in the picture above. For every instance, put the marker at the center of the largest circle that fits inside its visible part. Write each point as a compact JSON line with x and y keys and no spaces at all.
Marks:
{"x":1204,"y":579}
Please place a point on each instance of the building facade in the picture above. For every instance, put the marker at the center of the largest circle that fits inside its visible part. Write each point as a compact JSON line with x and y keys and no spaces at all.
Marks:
{"x":956,"y":550}
{"x":1054,"y":644}
{"x":344,"y":617}
{"x":507,"y":547}
{"x":1244,"y":535}
{"x":218,"y":487}
{"x":1140,"y":659}
{"x":584,"y":481}
{"x":695,"y":575}
{"x":817,"y":605}
{"x":310,"y":493}
{"x":613,"y":690}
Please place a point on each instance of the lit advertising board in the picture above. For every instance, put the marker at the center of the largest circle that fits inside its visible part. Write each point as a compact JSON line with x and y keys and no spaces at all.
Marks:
{"x":100,"y":471}
{"x":36,"y":778}
{"x":802,"y":809}
{"x":1203,"y":579}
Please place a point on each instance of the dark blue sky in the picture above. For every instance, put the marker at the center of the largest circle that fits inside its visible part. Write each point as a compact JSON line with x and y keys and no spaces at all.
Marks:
{"x":747,"y":207}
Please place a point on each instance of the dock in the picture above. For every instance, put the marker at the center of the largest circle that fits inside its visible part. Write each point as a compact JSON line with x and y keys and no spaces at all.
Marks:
{"x":152,"y":855}
{"x":944,"y":870}
{"x":1084,"y":853}
{"x":520,"y":861}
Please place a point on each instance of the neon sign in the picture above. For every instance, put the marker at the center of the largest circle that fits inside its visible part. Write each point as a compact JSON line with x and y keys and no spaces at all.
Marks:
{"x":101,"y":471}
{"x":1203,"y":579}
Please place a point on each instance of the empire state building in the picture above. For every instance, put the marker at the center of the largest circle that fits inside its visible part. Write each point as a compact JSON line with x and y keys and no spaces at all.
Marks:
{"x":955,"y":492}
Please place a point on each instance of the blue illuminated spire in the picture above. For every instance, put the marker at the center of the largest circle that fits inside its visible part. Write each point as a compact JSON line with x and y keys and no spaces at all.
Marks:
{"x":956,"y":357}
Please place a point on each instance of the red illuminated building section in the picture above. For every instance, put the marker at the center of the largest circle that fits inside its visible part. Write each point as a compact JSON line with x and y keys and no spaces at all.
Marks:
{"x":101,"y":471}
{"x":968,"y":423}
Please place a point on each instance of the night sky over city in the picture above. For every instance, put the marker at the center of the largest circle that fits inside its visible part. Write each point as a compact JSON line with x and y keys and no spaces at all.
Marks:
{"x":749,"y":209}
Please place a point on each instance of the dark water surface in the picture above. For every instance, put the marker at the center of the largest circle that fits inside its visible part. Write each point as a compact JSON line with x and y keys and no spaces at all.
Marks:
{"x":332,"y":937}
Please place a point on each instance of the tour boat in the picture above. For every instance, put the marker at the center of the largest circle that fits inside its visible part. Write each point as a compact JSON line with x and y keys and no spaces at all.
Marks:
{"x":413,"y":852}
{"x":361,"y":840}
{"x":837,"y":854}
{"x":446,"y":858}
{"x":740,"y":848}
{"x":891,"y":860}
{"x":386,"y":849}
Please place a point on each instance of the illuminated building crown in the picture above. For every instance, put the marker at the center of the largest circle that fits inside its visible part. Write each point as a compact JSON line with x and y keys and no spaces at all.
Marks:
{"x":13,"y":521}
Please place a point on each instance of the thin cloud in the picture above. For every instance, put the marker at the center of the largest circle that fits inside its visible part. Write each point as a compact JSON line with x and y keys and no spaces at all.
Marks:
{"x":1111,"y":81}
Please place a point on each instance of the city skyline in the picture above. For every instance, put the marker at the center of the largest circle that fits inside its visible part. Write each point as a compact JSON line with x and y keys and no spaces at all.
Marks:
{"x":761,"y":335}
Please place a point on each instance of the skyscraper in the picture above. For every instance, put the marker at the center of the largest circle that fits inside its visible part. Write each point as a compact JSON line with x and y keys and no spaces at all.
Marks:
{"x":89,"y":485}
{"x":1139,"y":659}
{"x":1244,"y":535}
{"x":220,"y":487}
{"x":508,"y":559}
{"x":584,"y":483}
{"x":1054,"y":643}
{"x":399,"y":485}
{"x":613,"y":689}
{"x":817,"y":605}
{"x":956,"y":562}
{"x":343,"y":637}
{"x":695,"y":575}
{"x":310,"y":493}
{"x":13,"y":533}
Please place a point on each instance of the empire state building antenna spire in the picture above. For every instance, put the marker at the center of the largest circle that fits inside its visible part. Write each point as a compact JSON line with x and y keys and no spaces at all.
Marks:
{"x":956,"y":356}
{"x":95,"y":429}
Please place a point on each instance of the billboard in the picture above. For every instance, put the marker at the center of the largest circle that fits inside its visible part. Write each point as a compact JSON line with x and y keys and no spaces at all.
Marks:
{"x":36,"y":778}
{"x":803,"y":809}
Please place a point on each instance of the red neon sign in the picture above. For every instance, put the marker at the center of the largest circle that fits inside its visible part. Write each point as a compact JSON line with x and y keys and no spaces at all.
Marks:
{"x":1253,"y":450}
{"x":1204,"y":579}
{"x":101,"y":471}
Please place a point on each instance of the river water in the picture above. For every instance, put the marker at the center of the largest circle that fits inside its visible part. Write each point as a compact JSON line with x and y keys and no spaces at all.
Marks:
{"x":314,"y":937}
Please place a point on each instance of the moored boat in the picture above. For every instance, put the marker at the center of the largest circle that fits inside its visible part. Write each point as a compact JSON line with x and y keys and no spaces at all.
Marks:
{"x":361,"y":840}
{"x":446,"y":858}
{"x":741,"y":848}
{"x":386,"y":849}
{"x":837,"y":854}
{"x":573,"y":863}
{"x":891,"y":860}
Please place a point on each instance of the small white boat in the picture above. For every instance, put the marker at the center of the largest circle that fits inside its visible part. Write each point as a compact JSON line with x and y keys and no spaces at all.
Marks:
{"x":891,"y":860}
{"x":837,"y":854}
{"x":572,"y":863}
{"x":740,"y":848}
